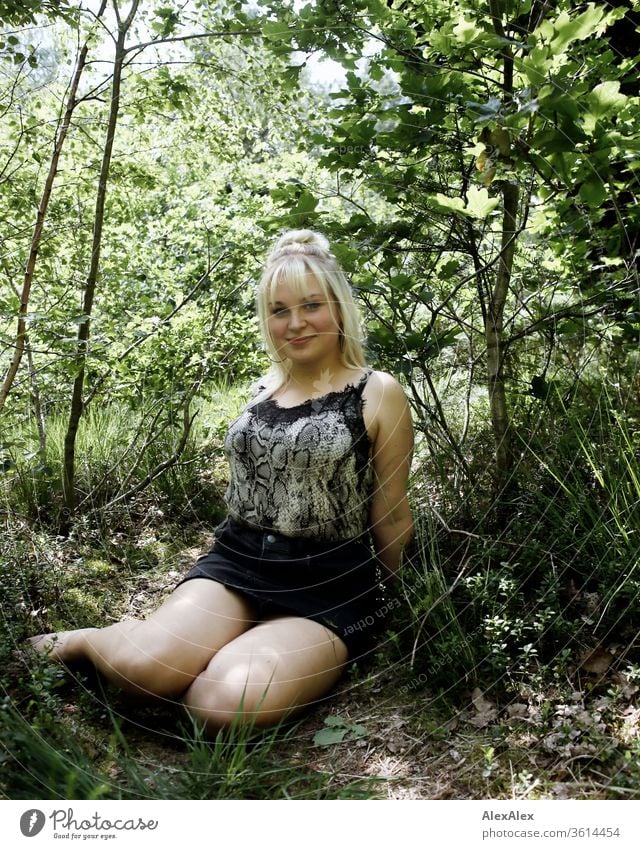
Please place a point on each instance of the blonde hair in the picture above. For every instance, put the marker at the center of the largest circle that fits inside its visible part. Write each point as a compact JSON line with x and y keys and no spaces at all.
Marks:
{"x":296,"y":254}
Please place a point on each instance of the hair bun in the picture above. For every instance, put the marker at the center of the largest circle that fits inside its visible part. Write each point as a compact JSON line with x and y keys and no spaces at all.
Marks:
{"x":301,"y":242}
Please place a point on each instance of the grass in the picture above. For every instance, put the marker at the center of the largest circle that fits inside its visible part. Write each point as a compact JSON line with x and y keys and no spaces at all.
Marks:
{"x":42,"y":760}
{"x":117,"y":448}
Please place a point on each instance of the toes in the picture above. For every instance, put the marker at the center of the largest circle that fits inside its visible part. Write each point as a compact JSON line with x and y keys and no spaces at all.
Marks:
{"x":44,"y":643}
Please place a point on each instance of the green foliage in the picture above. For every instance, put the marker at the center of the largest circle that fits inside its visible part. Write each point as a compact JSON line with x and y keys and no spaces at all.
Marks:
{"x":510,"y":607}
{"x":26,"y":11}
{"x":407,"y":165}
{"x":174,"y":305}
{"x":338,"y":729}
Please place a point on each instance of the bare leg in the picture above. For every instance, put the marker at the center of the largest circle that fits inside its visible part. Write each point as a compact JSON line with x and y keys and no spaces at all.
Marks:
{"x":270,"y":672}
{"x":163,"y":654}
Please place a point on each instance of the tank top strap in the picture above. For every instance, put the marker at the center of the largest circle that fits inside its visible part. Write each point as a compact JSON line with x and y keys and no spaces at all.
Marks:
{"x":358,"y":388}
{"x":363,"y":380}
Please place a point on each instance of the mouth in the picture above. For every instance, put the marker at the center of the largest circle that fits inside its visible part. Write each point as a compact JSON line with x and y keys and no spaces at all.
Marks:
{"x":300,"y":340}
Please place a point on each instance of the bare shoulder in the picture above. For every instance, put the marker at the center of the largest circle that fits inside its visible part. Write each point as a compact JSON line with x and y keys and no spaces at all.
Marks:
{"x":385,"y":403}
{"x":385,"y":387}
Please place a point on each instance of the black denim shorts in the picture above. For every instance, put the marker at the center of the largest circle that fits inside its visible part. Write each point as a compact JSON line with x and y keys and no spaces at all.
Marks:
{"x":334,"y":583}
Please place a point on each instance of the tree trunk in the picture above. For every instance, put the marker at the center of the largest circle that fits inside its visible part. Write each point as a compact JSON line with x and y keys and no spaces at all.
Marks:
{"x":40,"y":219}
{"x":495,"y":313}
{"x":77,"y":405}
{"x":493,"y":333}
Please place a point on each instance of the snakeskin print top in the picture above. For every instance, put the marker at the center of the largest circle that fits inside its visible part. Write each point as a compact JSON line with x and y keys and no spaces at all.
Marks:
{"x":303,"y":471}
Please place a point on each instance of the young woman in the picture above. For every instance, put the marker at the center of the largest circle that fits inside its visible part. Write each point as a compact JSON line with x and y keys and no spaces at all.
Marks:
{"x":266,"y":623}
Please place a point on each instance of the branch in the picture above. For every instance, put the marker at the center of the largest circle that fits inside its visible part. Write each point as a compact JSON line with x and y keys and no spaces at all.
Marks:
{"x":123,"y":456}
{"x":177,"y":38}
{"x":552,"y":318}
{"x":40,"y":220}
{"x":465,"y":567}
{"x":160,"y":325}
{"x":161,"y":467}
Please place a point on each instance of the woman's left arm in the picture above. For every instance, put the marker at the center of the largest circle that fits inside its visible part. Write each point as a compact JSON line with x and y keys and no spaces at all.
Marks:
{"x":390,"y":518}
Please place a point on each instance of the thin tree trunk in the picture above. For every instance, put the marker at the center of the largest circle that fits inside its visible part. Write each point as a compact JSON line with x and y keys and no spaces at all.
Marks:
{"x":495,"y":343}
{"x":77,"y":406}
{"x":40,"y":219}
{"x":37,"y":406}
{"x":35,"y":395}
{"x":494,"y":320}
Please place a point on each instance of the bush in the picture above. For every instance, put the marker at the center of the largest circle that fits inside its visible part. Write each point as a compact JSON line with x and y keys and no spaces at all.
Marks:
{"x":561,"y":575}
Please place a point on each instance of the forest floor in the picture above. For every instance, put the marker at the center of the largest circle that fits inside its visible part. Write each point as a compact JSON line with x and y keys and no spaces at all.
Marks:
{"x":389,"y":732}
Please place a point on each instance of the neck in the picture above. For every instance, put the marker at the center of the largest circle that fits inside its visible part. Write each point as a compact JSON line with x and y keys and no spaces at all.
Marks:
{"x":309,"y":375}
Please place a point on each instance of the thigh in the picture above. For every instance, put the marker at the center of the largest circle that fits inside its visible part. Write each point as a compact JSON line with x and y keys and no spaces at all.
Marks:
{"x":164,"y":653}
{"x":203,"y":612}
{"x":270,"y":672}
{"x":194,"y":622}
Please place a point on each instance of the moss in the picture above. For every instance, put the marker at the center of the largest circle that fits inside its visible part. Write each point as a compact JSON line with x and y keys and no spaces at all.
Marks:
{"x":94,"y":567}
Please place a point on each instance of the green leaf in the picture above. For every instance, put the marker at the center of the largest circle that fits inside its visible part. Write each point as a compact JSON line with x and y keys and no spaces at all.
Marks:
{"x":335,"y":721}
{"x":606,"y":98}
{"x":568,"y":29}
{"x":479,"y":204}
{"x":593,"y":193}
{"x":357,"y":731}
{"x":346,"y":256}
{"x":402,"y":282}
{"x":536,"y":66}
{"x":306,"y":204}
{"x":277,"y":31}
{"x":466,"y":32}
{"x":447,"y":204}
{"x":484,"y":111}
{"x":329,"y":736}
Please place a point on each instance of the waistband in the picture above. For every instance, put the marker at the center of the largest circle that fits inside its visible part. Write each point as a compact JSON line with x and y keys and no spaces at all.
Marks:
{"x":296,"y":545}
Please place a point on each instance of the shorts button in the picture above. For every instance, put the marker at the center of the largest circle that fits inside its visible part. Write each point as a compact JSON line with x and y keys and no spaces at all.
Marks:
{"x":271,"y":538}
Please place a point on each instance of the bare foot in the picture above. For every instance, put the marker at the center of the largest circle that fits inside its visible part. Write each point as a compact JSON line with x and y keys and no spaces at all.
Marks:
{"x":43,"y":643}
{"x":62,"y":647}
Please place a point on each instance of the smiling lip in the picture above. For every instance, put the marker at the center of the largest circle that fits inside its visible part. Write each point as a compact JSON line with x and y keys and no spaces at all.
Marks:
{"x":300,"y":340}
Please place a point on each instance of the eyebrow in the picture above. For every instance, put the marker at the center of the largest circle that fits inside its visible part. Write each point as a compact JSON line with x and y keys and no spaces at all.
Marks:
{"x":304,"y":300}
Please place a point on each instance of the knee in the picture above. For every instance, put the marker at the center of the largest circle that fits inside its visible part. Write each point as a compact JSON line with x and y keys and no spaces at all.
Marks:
{"x":242,"y":693}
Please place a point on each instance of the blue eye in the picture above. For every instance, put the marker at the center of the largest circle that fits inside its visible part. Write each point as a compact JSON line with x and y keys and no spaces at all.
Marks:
{"x":278,"y":311}
{"x":311,"y":306}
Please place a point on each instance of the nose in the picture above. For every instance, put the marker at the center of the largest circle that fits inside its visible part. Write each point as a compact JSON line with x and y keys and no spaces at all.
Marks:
{"x":296,"y":318}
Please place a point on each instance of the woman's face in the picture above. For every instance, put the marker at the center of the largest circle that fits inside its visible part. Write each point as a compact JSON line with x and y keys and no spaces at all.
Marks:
{"x":303,"y":324}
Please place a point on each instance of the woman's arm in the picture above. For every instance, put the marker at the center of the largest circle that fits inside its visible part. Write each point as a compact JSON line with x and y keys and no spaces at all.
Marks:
{"x":390,"y":517}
